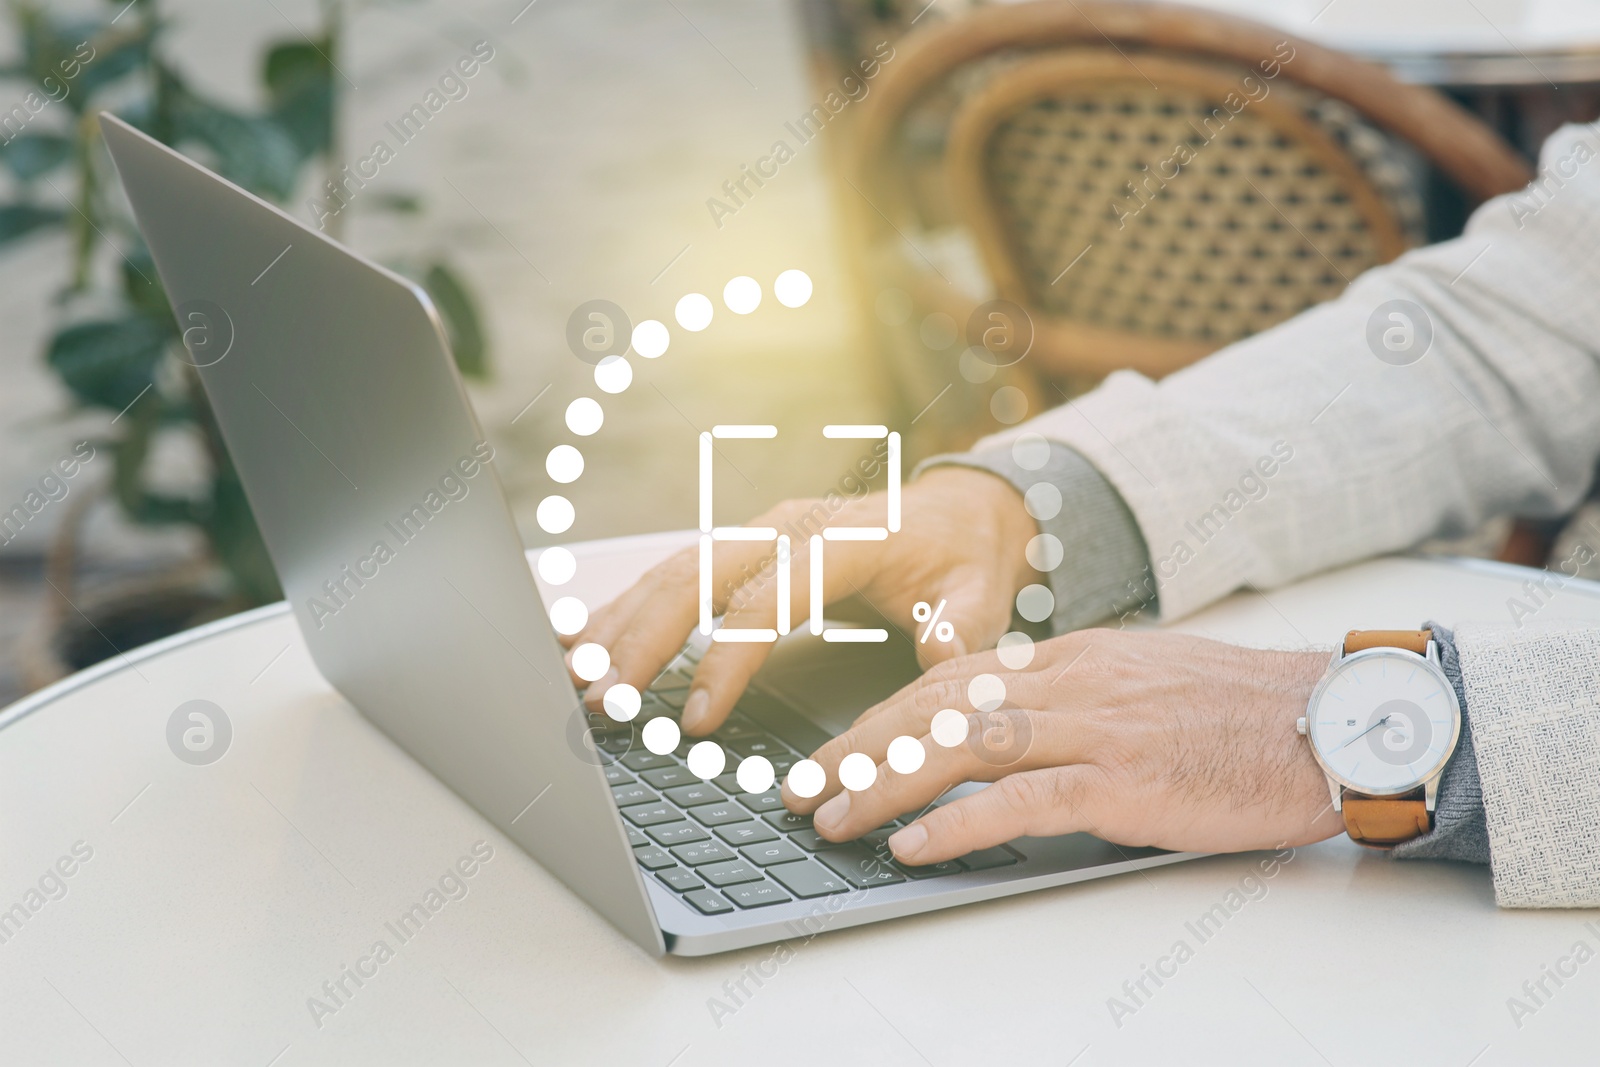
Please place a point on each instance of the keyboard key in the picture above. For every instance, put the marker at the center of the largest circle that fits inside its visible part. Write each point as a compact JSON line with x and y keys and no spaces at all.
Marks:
{"x":615,"y":775}
{"x":731,"y":873}
{"x":719,"y":814}
{"x":652,"y":858}
{"x":878,"y":840}
{"x":807,"y":879}
{"x":728,"y":783}
{"x":986,"y":858}
{"x":680,"y":879}
{"x":746,"y":833}
{"x":651,"y":814}
{"x":812,"y":841}
{"x":635,"y":838}
{"x":645,"y":760}
{"x":737,"y":727}
{"x":787,"y":821}
{"x":672,"y":698}
{"x":614,"y":745}
{"x":781,"y":762}
{"x":669,"y":777}
{"x":677,"y":833}
{"x":757,"y":895}
{"x":931,"y":870}
{"x":687,"y":796}
{"x":861,"y":868}
{"x":669,"y":681}
{"x":772,"y":852}
{"x":632,"y":794}
{"x":762,"y":802}
{"x":708,"y":902}
{"x":704,"y":852}
{"x":759,"y":745}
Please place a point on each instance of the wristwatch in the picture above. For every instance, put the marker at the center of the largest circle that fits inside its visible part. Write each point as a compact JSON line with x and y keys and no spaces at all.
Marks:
{"x":1382,"y":723}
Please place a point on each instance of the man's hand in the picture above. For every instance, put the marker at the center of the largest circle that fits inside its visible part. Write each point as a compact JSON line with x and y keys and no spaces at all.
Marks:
{"x":963,"y":538}
{"x":1138,"y":738}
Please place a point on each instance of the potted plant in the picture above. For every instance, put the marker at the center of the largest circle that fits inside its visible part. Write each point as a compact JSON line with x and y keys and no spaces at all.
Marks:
{"x":114,"y":348}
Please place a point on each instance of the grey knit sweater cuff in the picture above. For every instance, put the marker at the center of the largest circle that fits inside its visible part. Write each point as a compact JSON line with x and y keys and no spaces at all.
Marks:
{"x":1459,"y":830}
{"x":1105,"y":566}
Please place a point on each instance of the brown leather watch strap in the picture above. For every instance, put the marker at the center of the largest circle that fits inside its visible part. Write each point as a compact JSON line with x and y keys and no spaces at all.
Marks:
{"x":1410,"y":640}
{"x":1383,"y":822}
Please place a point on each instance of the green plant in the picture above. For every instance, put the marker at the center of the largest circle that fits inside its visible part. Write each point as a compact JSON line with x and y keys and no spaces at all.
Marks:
{"x":115,"y":346}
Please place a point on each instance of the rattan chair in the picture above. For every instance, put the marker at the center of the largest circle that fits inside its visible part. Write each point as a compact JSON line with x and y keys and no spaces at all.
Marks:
{"x":1148,"y":182}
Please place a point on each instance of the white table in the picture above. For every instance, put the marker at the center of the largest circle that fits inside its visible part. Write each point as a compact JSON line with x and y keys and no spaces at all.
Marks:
{"x":219,"y":898}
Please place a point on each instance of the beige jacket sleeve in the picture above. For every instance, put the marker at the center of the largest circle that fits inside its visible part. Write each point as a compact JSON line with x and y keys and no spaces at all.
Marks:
{"x":1301,"y":449}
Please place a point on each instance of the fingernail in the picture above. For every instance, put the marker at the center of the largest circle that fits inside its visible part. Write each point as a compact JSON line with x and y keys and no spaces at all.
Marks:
{"x":907,"y":844}
{"x":833,"y":812}
{"x":694,"y":710}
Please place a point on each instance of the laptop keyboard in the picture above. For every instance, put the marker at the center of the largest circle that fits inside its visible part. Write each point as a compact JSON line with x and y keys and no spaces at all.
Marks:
{"x":722,"y":849}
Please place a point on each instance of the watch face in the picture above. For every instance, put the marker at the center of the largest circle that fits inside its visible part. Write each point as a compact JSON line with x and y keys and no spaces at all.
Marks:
{"x":1383,"y":721}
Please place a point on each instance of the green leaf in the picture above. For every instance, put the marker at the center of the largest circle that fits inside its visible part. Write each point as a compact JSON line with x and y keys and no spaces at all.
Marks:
{"x":130,"y":454}
{"x":300,"y":89}
{"x":109,"y":363}
{"x":142,"y":286}
{"x":33,"y":154}
{"x":19,"y":220}
{"x":236,"y":539}
{"x":255,"y":153}
{"x":461,"y":321}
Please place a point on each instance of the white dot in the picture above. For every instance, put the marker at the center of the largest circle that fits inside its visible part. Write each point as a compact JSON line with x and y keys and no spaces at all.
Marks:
{"x":569,"y":615}
{"x":584,"y":416}
{"x":1036,"y":603}
{"x":938,"y":331}
{"x":1015,"y":650}
{"x":1009,"y":405}
{"x":793,"y":288}
{"x":755,"y":774}
{"x":613,"y":374}
{"x":555,"y":514}
{"x":974,"y":368}
{"x":590,"y":661}
{"x":564,"y":464}
{"x":1031,"y":451}
{"x":621,"y":702}
{"x":660,"y":735}
{"x":742,"y":295}
{"x":906,"y":754}
{"x":1044,"y":552}
{"x":987,"y":692}
{"x":949,"y":728}
{"x":857,"y":772}
{"x":557,"y":565}
{"x":693,"y":312}
{"x":1043,"y":501}
{"x":806,"y":778}
{"x":706,"y":759}
{"x":650,"y":338}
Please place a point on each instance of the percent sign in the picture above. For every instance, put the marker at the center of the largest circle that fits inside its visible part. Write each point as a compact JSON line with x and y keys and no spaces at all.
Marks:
{"x":922,"y":612}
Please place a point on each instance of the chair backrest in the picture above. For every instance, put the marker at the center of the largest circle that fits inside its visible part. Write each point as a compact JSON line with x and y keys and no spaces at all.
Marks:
{"x":1150,"y":182}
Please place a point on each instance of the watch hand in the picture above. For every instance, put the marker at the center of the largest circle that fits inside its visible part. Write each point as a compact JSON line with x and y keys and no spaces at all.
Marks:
{"x":1365,"y":732}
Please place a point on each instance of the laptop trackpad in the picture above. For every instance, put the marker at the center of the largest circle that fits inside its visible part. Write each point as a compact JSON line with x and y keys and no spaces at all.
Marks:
{"x":832,"y":683}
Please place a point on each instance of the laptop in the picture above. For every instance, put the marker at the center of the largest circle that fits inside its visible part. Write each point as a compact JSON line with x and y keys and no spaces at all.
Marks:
{"x":376,"y":493}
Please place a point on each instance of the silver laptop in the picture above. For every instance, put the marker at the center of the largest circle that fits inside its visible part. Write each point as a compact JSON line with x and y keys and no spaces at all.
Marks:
{"x":377,"y":495}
